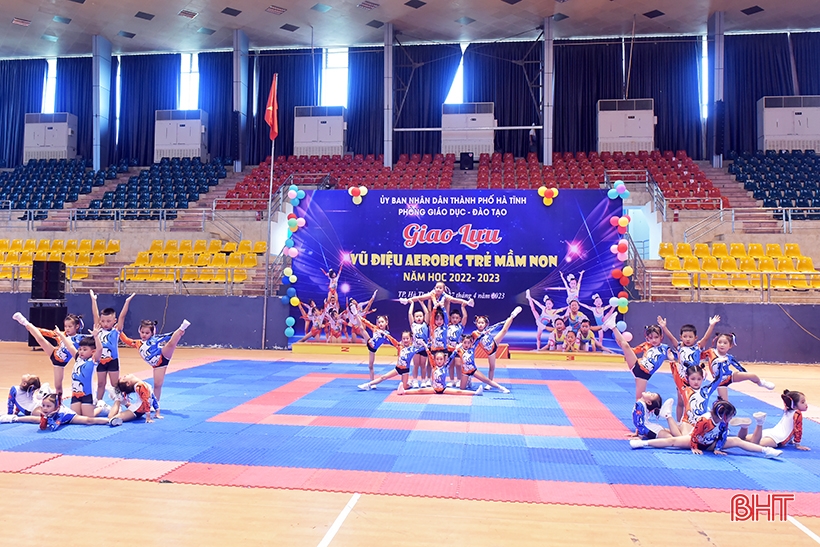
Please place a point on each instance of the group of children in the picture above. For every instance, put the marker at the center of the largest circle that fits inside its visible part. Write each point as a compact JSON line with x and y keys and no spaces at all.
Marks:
{"x":94,"y":354}
{"x":695,"y":422}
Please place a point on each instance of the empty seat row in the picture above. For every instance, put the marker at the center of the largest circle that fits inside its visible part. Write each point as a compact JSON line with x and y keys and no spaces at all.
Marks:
{"x":177,"y":260}
{"x":102,"y":246}
{"x":735,"y":250}
{"x":751,"y":281}
{"x":202,"y":246}
{"x":765,"y":264}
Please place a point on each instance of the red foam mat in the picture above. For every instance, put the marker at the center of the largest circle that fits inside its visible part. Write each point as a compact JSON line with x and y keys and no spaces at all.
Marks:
{"x":588,"y":415}
{"x":205,"y":473}
{"x":335,"y":480}
{"x":805,"y":504}
{"x":143,"y":470}
{"x":578,"y":493}
{"x":14,"y":462}
{"x":426,"y":486}
{"x":481,"y":488}
{"x":274,"y":477}
{"x":641,"y":496}
{"x":76,"y":466}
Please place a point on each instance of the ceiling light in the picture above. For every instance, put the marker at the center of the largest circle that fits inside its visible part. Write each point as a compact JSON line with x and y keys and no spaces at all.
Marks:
{"x":188,"y":14}
{"x":276,"y":10}
{"x":367,"y":5}
{"x":20,"y":22}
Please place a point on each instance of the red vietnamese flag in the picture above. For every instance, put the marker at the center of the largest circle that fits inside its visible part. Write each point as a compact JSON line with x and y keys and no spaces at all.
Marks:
{"x":272,"y":111}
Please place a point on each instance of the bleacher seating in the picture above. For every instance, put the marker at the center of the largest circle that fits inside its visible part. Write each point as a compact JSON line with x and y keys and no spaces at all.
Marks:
{"x":567,"y":171}
{"x":781,"y":179}
{"x":77,"y":255}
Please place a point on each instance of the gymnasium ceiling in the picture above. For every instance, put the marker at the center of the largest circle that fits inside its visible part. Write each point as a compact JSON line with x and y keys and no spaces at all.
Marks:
{"x":65,"y":27}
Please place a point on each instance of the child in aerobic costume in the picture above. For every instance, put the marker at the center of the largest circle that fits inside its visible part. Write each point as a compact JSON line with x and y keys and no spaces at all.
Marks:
{"x":25,"y":399}
{"x":544,"y":316}
{"x":53,"y":416}
{"x":439,"y":384}
{"x":421,"y":333}
{"x":466,"y":353}
{"x":332,"y":284}
{"x":316,"y":317}
{"x":689,"y":349}
{"x":571,"y":343}
{"x":654,"y":354}
{"x":86,"y":360}
{"x":572,"y":286}
{"x":157,"y":349}
{"x":110,"y":329}
{"x":354,"y":315}
{"x":573,"y":317}
{"x":586,"y":338}
{"x":489,"y":336}
{"x":599,"y":313}
{"x":711,"y":434}
{"x":455,"y":329}
{"x":59,"y":357}
{"x":379,"y":335}
{"x":406,"y":354}
{"x":127,"y":411}
{"x":788,"y":431}
{"x":335,"y":326}
{"x":439,"y":296}
{"x":721,"y":363}
{"x":650,"y":403}
{"x":437,"y":319}
{"x":556,"y":339}
{"x":695,"y":393}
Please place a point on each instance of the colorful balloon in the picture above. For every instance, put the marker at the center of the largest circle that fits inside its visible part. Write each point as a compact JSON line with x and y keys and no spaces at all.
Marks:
{"x":547,"y":201}
{"x":541,"y":191}
{"x":624,"y":281}
{"x":614,"y":221}
{"x":294,"y":252}
{"x":300,"y":194}
{"x":623,"y":294}
{"x":357,"y":200}
{"x":612,"y":193}
{"x":617,"y":273}
{"x":620,"y":189}
{"x":295,"y":202}
{"x":623,"y":309}
{"x":355,"y":192}
{"x":627,"y":336}
{"x":289,"y":242}
{"x":621,"y":326}
{"x":300,"y":222}
{"x":622,"y":230}
{"x":362,"y":191}
{"x":290,"y":321}
{"x":554,"y":192}
{"x":628,"y":271}
{"x":289,"y":332}
{"x":350,"y":191}
{"x":623,"y":246}
{"x":613,"y":302}
{"x":625,"y":195}
{"x":291,"y":291}
{"x":293,"y":279}
{"x":291,"y":194}
{"x":294,"y":301}
{"x":622,"y":257}
{"x":623,"y":302}
{"x":292,"y":222}
{"x":623,"y":221}
{"x":614,"y":249}
{"x":284,"y":299}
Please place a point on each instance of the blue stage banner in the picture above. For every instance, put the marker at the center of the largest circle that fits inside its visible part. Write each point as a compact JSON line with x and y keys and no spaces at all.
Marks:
{"x":502,"y":248}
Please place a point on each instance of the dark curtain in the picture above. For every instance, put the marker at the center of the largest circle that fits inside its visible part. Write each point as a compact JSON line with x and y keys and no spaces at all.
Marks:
{"x":299,"y":77}
{"x":74,"y":94}
{"x":756,"y":65}
{"x":21,"y":92}
{"x":669,"y":71}
{"x":365,"y":100}
{"x":584,"y":74}
{"x":148,"y":83}
{"x":806,"y":47}
{"x":216,"y":98}
{"x":427,"y":73}
{"x":506,"y":74}
{"x":112,"y":114}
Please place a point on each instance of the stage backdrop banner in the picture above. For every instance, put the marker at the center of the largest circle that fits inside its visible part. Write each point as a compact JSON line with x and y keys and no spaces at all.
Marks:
{"x":489,"y":245}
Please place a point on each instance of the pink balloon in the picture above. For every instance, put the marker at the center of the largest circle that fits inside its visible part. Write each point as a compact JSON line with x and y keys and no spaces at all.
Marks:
{"x":622,"y":257}
{"x":620,"y":189}
{"x":614,"y":249}
{"x":300,"y":222}
{"x":294,"y":252}
{"x":627,"y":336}
{"x":291,"y":194}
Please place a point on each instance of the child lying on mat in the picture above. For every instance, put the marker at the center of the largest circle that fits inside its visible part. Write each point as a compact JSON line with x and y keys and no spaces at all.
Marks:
{"x":53,"y":416}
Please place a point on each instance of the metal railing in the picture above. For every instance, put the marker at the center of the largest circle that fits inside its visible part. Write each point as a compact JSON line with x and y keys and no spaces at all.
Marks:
{"x":765,"y":287}
{"x":703,"y":227}
{"x":781,"y":220}
{"x":182,"y":279}
{"x":640,"y":280}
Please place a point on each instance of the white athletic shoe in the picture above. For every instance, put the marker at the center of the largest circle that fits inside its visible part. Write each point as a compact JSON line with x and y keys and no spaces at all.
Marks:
{"x":488,"y":387}
{"x":414,"y":384}
{"x":7,"y":418}
{"x":103,"y":405}
{"x":770,"y":452}
{"x":516,"y":311}
{"x":742,"y":422}
{"x":638,"y":443}
{"x":185,"y":324}
{"x":504,"y":390}
{"x":760,"y":417}
{"x":115,"y":422}
{"x":765,"y":383}
{"x":666,"y":408}
{"x":428,"y":383}
{"x":364,"y":387}
{"x":610,"y":322}
{"x":480,"y":390}
{"x":400,"y":390}
{"x":451,"y":383}
{"x":20,"y":318}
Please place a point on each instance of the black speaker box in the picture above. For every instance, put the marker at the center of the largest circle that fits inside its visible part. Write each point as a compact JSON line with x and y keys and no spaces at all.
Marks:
{"x":47,"y":318}
{"x":47,"y":280}
{"x":466,"y":161}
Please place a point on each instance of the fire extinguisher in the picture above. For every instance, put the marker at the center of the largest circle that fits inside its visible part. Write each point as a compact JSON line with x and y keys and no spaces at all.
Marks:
{"x":675,"y":216}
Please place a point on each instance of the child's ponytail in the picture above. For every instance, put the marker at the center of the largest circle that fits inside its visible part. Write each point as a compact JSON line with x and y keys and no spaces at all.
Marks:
{"x":791,"y":399}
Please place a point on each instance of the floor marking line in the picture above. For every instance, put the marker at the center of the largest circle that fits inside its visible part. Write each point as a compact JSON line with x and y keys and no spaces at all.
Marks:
{"x":803,"y":529}
{"x":331,"y":533}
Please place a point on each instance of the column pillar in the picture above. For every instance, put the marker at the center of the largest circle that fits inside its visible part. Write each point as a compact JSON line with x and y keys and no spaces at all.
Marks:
{"x":101,"y":97}
{"x":239,"y":121}
{"x":388,"y":95}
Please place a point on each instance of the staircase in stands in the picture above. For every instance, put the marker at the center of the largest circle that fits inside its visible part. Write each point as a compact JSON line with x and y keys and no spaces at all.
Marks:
{"x":740,"y":198}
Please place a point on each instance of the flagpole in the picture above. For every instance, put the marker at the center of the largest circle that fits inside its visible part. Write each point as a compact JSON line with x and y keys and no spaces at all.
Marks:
{"x":267,"y":254}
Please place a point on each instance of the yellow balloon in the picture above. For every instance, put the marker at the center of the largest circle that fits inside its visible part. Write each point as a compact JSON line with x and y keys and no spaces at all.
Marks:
{"x":294,"y":300}
{"x":357,"y":200}
{"x":363,"y":190}
{"x":294,"y":228}
{"x":623,"y":309}
{"x":554,"y":193}
{"x":623,"y":221}
{"x":288,"y":272}
{"x":292,"y":279}
{"x":542,"y":190}
{"x":628,"y":271}
{"x":547,"y":201}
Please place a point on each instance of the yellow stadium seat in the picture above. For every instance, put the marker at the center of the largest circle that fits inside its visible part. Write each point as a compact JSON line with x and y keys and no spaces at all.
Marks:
{"x":161,"y":275}
{"x":214,"y":246}
{"x":218,"y":260}
{"x":737,"y":250}
{"x":260,"y":247}
{"x":99,"y":246}
{"x":2,"y":258}
{"x":229,"y":247}
{"x":172,"y":261}
{"x":815,"y":281}
{"x":156,"y":246}
{"x":756,"y":250}
{"x":785,"y":265}
{"x":691,"y":264}
{"x":55,"y":257}
{"x":141,"y":274}
{"x":239,"y":276}
{"x":187,"y":259}
{"x":245,"y":246}
{"x":766,"y":265}
{"x":702,"y":250}
{"x":72,"y":246}
{"x":206,"y":275}
{"x":729,"y":265}
{"x":204,"y":260}
{"x":740,"y":281}
{"x":84,"y":259}
{"x":220,"y":275}
{"x":142,"y":259}
{"x":12,"y":259}
{"x":719,"y":250}
{"x":781,"y":281}
{"x":748,"y":265}
{"x":157,"y":260}
{"x":773,"y":250}
{"x":235,"y":260}
{"x":85,"y":246}
{"x":171,"y":246}
{"x":4,"y":245}
{"x":759,"y":281}
{"x":200,"y":246}
{"x":190,"y":275}
{"x":720,"y":281}
{"x":30,"y":245}
{"x":16,"y":246}
{"x":665,"y":250}
{"x":6,"y":272}
{"x":41,"y":255}
{"x":26,"y":257}
{"x":793,"y":250}
{"x":78,"y":273}
{"x":43,"y":245}
{"x":25,"y":272}
{"x":113,"y":247}
{"x":683,"y":250}
{"x":70,"y":259}
{"x":57,"y":246}
{"x":250,"y":261}
{"x":710,"y":264}
{"x":185,"y":246}
{"x":799,"y":282}
{"x":805,"y":264}
{"x":671,"y":263}
{"x":97,"y":259}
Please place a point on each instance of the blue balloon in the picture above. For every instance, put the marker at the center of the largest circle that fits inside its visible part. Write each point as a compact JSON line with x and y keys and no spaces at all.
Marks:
{"x":291,"y":292}
{"x":612,"y":193}
{"x":613,"y":301}
{"x":294,"y":202}
{"x":300,"y":194}
{"x":285,"y":280}
{"x":625,"y":195}
{"x":289,"y":332}
{"x":293,"y":187}
{"x":621,"y":326}
{"x":290,"y":321}
{"x":289,"y":243}
{"x":285,"y":300}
